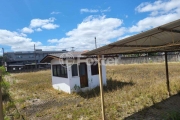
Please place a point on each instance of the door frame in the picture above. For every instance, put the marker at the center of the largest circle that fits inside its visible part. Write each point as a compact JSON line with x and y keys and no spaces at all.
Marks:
{"x":83,"y":78}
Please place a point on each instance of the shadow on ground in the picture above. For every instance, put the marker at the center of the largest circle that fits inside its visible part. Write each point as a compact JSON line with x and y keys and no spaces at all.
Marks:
{"x":111,"y":86}
{"x":168,"y":109}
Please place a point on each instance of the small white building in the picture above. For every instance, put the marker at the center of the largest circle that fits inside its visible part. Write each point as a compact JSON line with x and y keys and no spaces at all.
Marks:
{"x":72,"y":72}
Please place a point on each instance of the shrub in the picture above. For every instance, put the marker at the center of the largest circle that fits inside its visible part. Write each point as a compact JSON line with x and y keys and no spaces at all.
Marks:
{"x":172,"y":115}
{"x":4,"y":85}
{"x":5,"y":90}
{"x":3,"y":70}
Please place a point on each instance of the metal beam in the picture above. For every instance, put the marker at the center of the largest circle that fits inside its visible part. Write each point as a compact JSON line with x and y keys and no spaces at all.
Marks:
{"x":101,"y":86}
{"x":134,"y":45}
{"x":169,"y":30}
{"x":167,"y":75}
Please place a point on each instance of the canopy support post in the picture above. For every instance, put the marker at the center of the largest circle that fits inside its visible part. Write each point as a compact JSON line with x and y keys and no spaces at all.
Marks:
{"x":167,"y":75}
{"x":101,"y":86}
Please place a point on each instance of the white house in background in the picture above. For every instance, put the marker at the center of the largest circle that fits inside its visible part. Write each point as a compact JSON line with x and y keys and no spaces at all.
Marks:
{"x":72,"y":72}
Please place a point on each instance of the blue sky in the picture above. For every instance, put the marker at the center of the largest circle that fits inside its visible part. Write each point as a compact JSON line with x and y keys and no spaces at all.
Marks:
{"x":57,"y":25}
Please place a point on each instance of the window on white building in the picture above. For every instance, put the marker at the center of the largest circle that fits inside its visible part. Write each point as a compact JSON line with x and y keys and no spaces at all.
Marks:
{"x":74,"y":70}
{"x":59,"y":70}
{"x":94,"y":68}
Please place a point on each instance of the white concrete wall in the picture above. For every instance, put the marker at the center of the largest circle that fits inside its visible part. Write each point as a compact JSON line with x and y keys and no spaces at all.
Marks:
{"x":112,"y":60}
{"x":60,"y":83}
{"x":72,"y":83}
{"x":93,"y":80}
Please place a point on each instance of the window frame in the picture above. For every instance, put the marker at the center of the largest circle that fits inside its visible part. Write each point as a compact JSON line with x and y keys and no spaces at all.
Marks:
{"x":94,"y":68}
{"x":76,"y":74}
{"x":59,"y":71}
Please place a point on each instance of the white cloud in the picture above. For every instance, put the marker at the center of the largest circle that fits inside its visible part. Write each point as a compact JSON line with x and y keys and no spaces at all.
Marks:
{"x":19,"y":42}
{"x":27,"y":30}
{"x":159,"y":5}
{"x":53,"y":40}
{"x":50,"y":26}
{"x":54,"y":12}
{"x":16,"y":40}
{"x":151,"y":22}
{"x":161,"y":12}
{"x":82,"y":37}
{"x":43,"y":23}
{"x":154,"y":13}
{"x":106,"y":10}
{"x":85,"y":10}
{"x":39,"y":24}
{"x":123,"y":37}
{"x":38,"y":29}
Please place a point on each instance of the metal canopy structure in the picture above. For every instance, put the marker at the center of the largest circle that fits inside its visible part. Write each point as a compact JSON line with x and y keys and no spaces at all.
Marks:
{"x":165,"y":38}
{"x":159,"y":39}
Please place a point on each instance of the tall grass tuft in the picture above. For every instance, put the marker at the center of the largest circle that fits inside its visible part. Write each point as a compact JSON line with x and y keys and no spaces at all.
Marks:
{"x":9,"y":107}
{"x":172,"y":115}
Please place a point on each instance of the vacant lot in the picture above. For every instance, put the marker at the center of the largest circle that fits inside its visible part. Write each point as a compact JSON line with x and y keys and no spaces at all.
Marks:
{"x":130,"y":89}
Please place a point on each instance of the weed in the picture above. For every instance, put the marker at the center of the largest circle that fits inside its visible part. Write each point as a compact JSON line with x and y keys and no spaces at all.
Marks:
{"x":76,"y":87}
{"x":172,"y":115}
{"x":3,"y":71}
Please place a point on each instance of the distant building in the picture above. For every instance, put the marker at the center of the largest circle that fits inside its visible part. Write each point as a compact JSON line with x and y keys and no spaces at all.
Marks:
{"x":24,"y":60}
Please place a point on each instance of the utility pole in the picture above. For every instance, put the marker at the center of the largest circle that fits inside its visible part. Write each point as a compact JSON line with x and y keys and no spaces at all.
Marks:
{"x":72,"y":48}
{"x":95,"y":43}
{"x":35,"y":56}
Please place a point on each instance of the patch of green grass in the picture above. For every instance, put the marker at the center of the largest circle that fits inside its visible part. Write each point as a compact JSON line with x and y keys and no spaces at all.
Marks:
{"x":172,"y":115}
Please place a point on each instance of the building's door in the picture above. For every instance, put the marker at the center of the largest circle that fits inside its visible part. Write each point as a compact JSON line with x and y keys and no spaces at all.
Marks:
{"x":83,"y":75}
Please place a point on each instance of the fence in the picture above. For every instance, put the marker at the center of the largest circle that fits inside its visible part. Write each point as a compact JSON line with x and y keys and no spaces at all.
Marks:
{"x":28,"y":70}
{"x":149,"y":59}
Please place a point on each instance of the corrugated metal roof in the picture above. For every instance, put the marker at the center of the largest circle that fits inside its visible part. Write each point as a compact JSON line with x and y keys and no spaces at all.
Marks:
{"x":73,"y":54}
{"x":159,"y":39}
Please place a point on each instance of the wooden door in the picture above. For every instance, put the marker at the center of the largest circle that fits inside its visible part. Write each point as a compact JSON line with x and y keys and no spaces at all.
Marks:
{"x":83,"y":75}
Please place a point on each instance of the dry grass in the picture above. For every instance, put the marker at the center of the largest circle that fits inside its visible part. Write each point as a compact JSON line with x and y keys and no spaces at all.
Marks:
{"x":130,"y":89}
